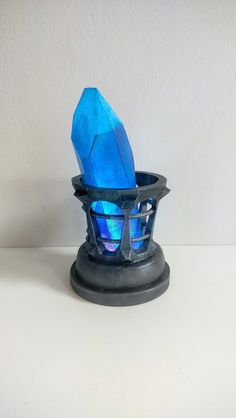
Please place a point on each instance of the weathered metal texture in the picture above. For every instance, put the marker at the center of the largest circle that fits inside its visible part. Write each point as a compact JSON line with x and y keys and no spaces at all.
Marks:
{"x":151,"y":188}
{"x":126,"y":276}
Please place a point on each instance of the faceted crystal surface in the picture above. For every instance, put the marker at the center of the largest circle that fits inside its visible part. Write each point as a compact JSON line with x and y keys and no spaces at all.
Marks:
{"x":104,"y":155}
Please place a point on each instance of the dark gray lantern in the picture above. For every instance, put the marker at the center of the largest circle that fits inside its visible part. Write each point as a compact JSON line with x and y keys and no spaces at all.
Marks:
{"x":126,"y":276}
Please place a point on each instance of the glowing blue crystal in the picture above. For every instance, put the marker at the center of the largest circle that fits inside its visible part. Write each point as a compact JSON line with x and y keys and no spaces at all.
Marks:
{"x":104,"y":155}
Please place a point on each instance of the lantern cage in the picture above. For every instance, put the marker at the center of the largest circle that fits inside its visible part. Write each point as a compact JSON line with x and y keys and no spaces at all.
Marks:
{"x":131,"y":269}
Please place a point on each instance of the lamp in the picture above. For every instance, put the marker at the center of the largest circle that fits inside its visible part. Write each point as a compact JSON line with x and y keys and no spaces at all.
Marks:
{"x":119,"y":264}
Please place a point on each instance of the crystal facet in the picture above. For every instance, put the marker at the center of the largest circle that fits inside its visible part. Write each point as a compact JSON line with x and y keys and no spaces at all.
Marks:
{"x":105,"y":158}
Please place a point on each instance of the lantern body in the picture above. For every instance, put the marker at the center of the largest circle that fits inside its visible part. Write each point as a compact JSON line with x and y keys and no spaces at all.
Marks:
{"x":126,"y":275}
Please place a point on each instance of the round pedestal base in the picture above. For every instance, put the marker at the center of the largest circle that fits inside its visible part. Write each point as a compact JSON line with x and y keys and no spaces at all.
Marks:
{"x":120,"y":285}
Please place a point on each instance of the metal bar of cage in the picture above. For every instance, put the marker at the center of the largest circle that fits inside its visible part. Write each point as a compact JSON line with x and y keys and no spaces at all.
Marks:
{"x":121,"y":217}
{"x":118,"y":241}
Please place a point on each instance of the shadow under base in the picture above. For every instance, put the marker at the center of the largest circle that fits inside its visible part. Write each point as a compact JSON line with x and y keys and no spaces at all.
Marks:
{"x":120,"y":284}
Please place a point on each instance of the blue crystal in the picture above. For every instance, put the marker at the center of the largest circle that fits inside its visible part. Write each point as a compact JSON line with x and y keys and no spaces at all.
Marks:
{"x":105,"y":157}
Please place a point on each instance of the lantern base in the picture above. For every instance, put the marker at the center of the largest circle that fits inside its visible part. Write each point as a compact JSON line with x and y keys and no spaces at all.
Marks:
{"x":120,"y":284}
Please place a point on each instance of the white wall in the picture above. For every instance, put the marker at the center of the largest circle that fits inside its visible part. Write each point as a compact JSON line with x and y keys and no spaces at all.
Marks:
{"x":168,"y":68}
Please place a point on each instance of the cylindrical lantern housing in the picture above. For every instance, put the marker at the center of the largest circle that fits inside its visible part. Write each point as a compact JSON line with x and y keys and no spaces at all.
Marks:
{"x":128,"y":270}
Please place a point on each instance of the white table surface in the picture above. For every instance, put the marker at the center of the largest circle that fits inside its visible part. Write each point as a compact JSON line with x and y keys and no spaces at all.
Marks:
{"x":63,"y":357}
